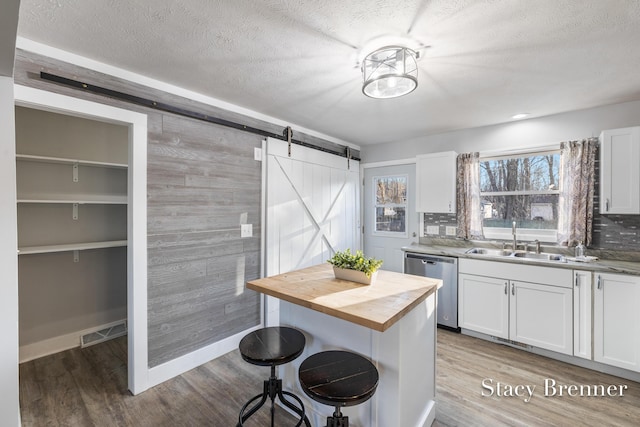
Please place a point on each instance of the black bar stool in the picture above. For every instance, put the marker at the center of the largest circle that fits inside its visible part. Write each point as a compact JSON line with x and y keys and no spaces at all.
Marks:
{"x":272,"y":346}
{"x":338,"y":378}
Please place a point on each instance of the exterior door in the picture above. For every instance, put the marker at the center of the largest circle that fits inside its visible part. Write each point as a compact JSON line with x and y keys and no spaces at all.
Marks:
{"x":312,"y":209}
{"x":390,"y":217}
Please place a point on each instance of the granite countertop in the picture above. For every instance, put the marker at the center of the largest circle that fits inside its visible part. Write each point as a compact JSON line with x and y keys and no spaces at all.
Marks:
{"x":376,"y":306}
{"x":604,"y":265}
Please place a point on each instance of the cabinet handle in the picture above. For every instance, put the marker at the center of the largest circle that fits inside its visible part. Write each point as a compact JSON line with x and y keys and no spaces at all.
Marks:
{"x":513,"y":289}
{"x":577,"y":280}
{"x":599,"y":282}
{"x":506,"y":285}
{"x":449,"y":206}
{"x":606,"y":205}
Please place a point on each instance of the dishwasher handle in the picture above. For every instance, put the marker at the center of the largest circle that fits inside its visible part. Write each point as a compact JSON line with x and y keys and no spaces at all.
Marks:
{"x":428,"y":259}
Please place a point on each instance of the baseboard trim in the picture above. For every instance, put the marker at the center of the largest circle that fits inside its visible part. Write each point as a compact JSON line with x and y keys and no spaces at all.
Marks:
{"x":57,"y":344}
{"x":173,"y":368}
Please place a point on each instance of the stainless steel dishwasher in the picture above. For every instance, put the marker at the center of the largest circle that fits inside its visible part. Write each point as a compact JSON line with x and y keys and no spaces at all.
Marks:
{"x":445,"y":269}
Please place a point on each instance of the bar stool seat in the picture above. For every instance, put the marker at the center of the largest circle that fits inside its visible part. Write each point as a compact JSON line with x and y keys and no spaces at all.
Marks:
{"x":272,"y":346}
{"x":338,"y":378}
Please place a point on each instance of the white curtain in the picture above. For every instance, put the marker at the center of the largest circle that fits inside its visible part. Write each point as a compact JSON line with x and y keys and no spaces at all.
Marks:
{"x":577,"y":178}
{"x":468,"y":196}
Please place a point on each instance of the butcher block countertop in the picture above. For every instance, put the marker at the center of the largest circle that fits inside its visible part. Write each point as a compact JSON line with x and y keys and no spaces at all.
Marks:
{"x":377,"y":306}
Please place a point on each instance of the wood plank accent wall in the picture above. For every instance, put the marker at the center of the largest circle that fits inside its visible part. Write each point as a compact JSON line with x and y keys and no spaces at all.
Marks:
{"x":201,"y":178}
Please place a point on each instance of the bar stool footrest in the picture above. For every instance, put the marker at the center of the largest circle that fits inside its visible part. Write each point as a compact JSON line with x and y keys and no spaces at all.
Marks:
{"x":272,"y":388}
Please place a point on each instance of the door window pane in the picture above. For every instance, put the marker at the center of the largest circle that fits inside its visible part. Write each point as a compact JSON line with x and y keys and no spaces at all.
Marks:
{"x":390,"y":205}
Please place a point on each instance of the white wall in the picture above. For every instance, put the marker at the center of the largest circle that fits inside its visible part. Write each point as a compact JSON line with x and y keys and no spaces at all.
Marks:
{"x":9,"y":403}
{"x":8,"y":28}
{"x":542,"y":131}
{"x":9,"y":386}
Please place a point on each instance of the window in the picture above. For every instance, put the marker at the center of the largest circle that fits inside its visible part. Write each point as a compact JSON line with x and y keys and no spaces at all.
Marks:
{"x":523,"y":188}
{"x":390,"y":205}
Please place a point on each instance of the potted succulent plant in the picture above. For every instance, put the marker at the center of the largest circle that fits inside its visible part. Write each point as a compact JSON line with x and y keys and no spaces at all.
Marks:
{"x":354,"y":267}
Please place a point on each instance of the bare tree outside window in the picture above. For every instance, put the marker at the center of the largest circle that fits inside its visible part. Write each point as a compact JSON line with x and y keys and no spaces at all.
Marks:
{"x":524,"y":189}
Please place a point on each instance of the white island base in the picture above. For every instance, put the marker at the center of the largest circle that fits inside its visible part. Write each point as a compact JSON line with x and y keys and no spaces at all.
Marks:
{"x":404,"y":355}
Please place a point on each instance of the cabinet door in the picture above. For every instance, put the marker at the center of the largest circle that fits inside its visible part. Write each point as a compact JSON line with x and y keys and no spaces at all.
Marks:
{"x":616,"y":328}
{"x":619,"y":172}
{"x":483,"y":305}
{"x":436,"y":182}
{"x":541,"y":315}
{"x":582,"y":325}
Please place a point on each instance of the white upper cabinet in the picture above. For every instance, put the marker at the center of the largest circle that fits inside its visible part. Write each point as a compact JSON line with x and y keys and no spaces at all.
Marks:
{"x":436,"y":182}
{"x":619,"y":171}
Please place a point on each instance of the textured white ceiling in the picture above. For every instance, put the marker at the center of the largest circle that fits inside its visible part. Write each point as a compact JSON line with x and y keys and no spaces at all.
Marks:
{"x":296,"y":59}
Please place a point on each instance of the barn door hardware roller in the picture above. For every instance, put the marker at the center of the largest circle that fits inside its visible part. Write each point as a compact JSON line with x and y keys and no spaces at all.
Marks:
{"x":288,"y":134}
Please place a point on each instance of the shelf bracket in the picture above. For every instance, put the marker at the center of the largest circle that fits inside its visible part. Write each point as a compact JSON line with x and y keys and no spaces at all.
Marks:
{"x":74,"y":214}
{"x":75,"y":172}
{"x":76,"y":256}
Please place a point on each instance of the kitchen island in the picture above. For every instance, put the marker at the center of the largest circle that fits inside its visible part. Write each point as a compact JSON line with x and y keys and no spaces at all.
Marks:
{"x":392,"y":322}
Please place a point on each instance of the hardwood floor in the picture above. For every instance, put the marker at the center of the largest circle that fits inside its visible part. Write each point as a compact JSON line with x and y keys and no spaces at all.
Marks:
{"x":464,"y":362}
{"x":87,"y":387}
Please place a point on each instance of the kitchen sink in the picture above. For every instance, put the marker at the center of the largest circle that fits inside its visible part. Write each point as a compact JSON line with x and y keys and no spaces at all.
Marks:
{"x":544,"y":256}
{"x":490,"y":252}
{"x":541,"y":256}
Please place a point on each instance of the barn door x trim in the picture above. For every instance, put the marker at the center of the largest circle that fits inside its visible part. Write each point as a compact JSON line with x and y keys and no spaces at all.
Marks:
{"x":319,"y":225}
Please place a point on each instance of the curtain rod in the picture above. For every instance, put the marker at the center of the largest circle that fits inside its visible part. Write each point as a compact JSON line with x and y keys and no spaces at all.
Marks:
{"x":518,"y":151}
{"x":190,"y":114}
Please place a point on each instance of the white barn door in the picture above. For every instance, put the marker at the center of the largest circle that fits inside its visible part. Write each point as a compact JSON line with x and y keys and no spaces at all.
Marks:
{"x":312,"y":208}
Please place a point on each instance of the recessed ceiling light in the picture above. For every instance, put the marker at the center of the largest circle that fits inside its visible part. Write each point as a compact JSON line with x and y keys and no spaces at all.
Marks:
{"x":520,"y":116}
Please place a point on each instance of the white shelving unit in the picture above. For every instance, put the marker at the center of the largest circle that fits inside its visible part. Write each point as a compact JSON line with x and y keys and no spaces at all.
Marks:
{"x":46,"y":180}
{"x":72,"y":198}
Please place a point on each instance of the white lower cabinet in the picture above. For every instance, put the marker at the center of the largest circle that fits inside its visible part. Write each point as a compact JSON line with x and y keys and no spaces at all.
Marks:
{"x":538,"y":314}
{"x":541,"y":316}
{"x":483,"y":305}
{"x":616,"y":320}
{"x":582,"y":325}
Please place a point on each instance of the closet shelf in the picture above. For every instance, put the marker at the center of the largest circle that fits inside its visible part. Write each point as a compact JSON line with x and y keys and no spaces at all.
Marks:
{"x":29,"y":250}
{"x":81,"y":200}
{"x":46,"y":159}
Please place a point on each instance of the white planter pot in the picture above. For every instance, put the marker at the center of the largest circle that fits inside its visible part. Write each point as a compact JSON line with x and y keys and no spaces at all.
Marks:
{"x":354,"y":275}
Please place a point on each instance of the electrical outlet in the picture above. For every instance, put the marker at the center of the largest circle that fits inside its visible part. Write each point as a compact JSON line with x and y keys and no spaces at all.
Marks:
{"x":433,"y":229}
{"x":451,"y":231}
{"x":257,"y":154}
{"x":246,"y":230}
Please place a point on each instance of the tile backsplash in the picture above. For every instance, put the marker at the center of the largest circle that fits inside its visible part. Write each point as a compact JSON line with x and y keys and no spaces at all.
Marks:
{"x":441,"y":221}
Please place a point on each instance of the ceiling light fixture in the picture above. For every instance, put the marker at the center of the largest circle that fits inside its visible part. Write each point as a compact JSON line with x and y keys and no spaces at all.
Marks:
{"x":520,"y":116}
{"x":390,"y":72}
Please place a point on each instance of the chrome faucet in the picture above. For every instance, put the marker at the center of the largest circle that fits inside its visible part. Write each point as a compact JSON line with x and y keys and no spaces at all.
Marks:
{"x":536,"y":243}
{"x":513,"y":232}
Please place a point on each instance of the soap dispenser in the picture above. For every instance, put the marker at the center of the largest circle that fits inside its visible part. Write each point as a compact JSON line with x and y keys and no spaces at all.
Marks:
{"x":579,"y":250}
